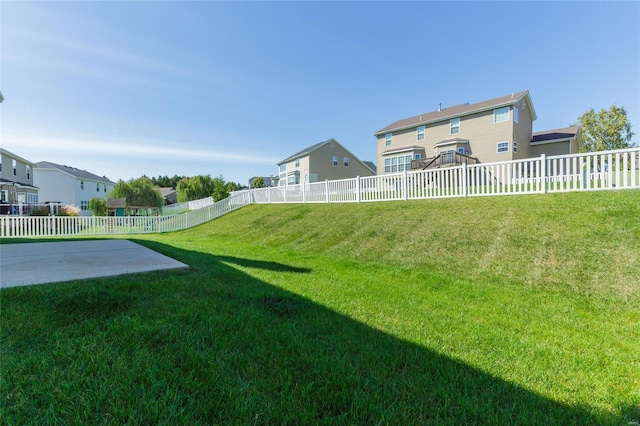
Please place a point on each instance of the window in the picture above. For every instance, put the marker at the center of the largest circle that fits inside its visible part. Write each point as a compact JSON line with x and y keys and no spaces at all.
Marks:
{"x":28,"y":172}
{"x":387,"y":139}
{"x":105,"y":187}
{"x":282,"y":168}
{"x":297,"y":162}
{"x":417,"y":157}
{"x":15,"y":167}
{"x":454,"y":126}
{"x":32,"y":198}
{"x":335,"y":160}
{"x":0,"y":163}
{"x":447,"y":156}
{"x":461,"y":150}
{"x":22,"y":197}
{"x":84,"y":205}
{"x":501,"y":115}
{"x":503,"y":146}
{"x":345,"y":161}
{"x":420,"y":133}
{"x":4,"y":196}
{"x":516,"y":114}
{"x":515,"y":146}
{"x":397,"y":164}
{"x":82,"y":184}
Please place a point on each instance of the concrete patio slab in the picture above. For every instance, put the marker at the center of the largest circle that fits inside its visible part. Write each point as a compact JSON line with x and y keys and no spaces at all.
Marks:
{"x":40,"y":263}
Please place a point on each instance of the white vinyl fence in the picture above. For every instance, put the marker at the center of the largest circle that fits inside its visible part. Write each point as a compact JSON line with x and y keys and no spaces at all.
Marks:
{"x":49,"y":226}
{"x":607,"y":170}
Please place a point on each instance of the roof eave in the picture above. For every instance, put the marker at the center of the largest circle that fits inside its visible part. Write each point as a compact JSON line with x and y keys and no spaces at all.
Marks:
{"x":473,"y":111}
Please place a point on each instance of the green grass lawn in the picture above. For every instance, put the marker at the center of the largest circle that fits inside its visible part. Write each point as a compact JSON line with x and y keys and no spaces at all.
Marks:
{"x":501,"y":310}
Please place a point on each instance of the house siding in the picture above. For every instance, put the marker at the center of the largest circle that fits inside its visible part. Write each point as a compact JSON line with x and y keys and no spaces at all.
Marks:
{"x":21,"y":178}
{"x":317,"y":164}
{"x":58,"y":186}
{"x":479,"y":129}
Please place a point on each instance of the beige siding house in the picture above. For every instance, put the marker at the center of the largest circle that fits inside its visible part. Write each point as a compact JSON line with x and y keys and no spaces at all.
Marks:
{"x":319,"y":162}
{"x":556,"y":142}
{"x":16,"y":180}
{"x":499,"y":129}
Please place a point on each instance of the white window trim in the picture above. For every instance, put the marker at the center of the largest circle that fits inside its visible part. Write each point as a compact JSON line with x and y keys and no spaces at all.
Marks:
{"x":334,"y":160}
{"x":515,"y":146}
{"x":388,"y":137}
{"x":345,"y":161}
{"x":420,"y":130}
{"x":516,"y":114}
{"x":500,"y":111}
{"x":504,"y":150}
{"x":451,"y":126}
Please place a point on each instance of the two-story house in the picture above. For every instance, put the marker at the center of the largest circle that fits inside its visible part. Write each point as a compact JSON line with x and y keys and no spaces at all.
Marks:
{"x":322,"y":161}
{"x":499,"y":129}
{"x":16,"y":180}
{"x":70,"y":186}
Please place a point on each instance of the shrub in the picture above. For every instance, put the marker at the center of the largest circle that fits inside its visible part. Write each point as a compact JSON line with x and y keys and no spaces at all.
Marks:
{"x":69,"y":210}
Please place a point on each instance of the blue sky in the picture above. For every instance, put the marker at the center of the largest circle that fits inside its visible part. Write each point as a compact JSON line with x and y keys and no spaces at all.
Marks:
{"x":124,"y":89}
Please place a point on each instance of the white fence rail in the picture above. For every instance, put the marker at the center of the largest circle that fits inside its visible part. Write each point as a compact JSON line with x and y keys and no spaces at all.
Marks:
{"x":607,"y":170}
{"x":50,"y":226}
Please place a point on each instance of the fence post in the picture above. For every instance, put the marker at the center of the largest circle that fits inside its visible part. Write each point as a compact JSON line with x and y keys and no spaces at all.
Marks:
{"x":465,"y":177}
{"x":405,"y":185}
{"x":543,"y":174}
{"x":358,"y":189}
{"x":304,"y":193}
{"x":326,"y":189}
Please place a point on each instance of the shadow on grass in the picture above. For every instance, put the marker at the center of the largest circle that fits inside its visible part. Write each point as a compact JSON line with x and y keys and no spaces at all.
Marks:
{"x":214,"y":345}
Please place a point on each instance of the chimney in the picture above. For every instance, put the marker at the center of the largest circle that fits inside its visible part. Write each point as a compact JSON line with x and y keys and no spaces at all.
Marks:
{"x":440,"y":107}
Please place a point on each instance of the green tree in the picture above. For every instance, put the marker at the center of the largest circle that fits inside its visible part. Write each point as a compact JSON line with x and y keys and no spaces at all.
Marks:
{"x":258,"y":182}
{"x":98,"y":206}
{"x":138,"y":192}
{"x":195,"y":188}
{"x":220,"y":189}
{"x":605,"y":130}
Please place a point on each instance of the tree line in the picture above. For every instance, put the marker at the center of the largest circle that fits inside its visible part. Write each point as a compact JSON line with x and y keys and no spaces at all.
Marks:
{"x":145,"y":191}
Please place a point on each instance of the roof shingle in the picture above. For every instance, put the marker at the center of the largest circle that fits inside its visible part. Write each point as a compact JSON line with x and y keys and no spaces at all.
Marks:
{"x":451,"y":112}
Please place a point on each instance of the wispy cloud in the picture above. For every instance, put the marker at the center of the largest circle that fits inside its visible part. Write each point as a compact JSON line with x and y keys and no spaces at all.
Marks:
{"x":118,"y":57}
{"x":140,"y":149}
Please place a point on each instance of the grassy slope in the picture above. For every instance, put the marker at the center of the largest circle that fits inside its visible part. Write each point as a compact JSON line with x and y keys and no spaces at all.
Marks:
{"x":489,"y":310}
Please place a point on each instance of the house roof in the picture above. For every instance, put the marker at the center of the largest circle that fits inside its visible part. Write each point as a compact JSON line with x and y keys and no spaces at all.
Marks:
{"x":16,"y":157}
{"x":450,"y":142}
{"x":403,"y":149}
{"x":305,"y":151}
{"x":312,"y":148}
{"x":548,"y":135}
{"x":458,"y":111}
{"x":165,"y":192}
{"x":371,"y":166}
{"x":7,"y":182}
{"x":81,"y":174}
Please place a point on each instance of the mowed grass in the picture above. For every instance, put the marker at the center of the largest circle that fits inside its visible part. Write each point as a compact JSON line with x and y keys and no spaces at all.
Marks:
{"x":501,"y":310}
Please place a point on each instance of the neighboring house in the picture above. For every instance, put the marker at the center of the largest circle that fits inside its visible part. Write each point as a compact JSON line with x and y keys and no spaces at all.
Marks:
{"x":556,"y":142}
{"x":170,"y":196}
{"x":499,"y":129}
{"x":325,"y":160}
{"x":16,"y":180}
{"x":69,"y":185}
